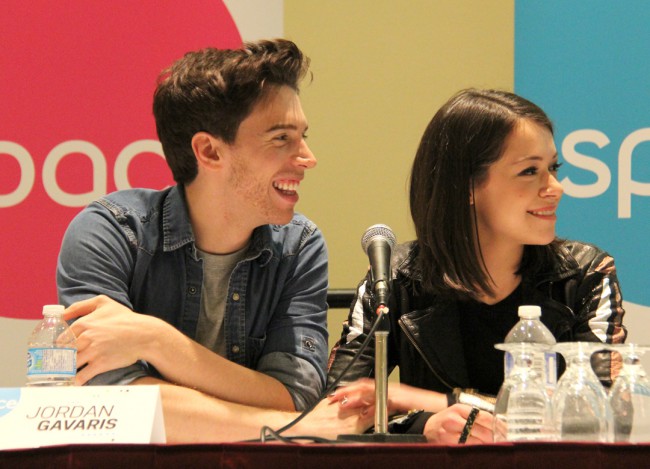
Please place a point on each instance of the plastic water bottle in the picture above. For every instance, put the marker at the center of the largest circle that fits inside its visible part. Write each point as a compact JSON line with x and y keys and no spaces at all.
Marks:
{"x":530,"y":329}
{"x":52,"y":351}
{"x":523,"y":410}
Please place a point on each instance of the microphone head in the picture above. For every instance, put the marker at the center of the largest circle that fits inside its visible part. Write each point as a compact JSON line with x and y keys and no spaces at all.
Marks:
{"x":377,"y":232}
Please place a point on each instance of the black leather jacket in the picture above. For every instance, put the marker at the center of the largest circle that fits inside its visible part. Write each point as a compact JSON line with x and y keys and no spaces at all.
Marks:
{"x":579,"y":296}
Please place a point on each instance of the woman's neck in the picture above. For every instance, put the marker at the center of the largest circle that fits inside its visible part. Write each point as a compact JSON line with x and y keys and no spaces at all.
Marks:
{"x":502,"y":264}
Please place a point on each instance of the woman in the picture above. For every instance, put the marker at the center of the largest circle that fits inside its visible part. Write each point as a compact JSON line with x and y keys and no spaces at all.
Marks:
{"x":484,"y":195}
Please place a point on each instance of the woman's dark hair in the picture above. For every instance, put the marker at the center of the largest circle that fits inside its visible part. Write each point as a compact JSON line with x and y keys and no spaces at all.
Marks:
{"x":462,"y":140}
{"x":214,"y":90}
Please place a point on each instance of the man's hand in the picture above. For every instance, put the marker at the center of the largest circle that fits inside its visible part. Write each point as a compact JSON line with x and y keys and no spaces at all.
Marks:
{"x":109,"y":335}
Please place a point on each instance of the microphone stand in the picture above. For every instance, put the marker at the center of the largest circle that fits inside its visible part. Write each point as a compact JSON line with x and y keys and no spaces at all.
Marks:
{"x":381,"y":434}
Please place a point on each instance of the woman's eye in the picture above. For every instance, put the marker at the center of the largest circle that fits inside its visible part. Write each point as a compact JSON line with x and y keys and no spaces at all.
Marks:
{"x":529,"y":171}
{"x":555,"y":167}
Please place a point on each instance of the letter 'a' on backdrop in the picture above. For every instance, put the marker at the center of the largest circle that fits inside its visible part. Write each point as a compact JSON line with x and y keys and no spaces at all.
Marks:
{"x":76,"y":92}
{"x":587,"y":65}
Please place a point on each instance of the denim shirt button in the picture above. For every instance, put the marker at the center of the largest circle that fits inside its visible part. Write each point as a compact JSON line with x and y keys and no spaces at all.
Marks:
{"x":235,"y":296}
{"x":191,"y":290}
{"x":235,"y":349}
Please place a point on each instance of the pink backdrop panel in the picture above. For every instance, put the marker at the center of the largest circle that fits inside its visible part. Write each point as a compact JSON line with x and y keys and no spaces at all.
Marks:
{"x":76,"y":85}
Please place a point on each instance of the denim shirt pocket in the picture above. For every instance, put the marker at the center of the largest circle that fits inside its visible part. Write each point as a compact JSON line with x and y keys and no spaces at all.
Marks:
{"x":255,"y":346}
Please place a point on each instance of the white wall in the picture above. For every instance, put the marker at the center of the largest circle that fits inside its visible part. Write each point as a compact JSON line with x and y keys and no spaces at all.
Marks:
{"x":13,"y":337}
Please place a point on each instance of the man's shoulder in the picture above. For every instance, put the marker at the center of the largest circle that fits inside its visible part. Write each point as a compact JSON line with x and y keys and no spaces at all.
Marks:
{"x":298,"y":224}
{"x":302,"y":223}
{"x":139,"y":201}
{"x":137,"y":213}
{"x":291,"y":236}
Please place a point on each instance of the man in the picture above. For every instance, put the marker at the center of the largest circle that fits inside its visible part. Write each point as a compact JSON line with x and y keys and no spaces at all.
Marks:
{"x":214,"y":284}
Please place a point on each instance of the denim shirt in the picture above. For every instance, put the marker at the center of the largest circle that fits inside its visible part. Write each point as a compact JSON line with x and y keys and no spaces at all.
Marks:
{"x":137,"y":247}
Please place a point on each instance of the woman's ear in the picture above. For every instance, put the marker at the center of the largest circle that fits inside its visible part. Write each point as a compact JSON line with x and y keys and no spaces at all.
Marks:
{"x":206,"y":149}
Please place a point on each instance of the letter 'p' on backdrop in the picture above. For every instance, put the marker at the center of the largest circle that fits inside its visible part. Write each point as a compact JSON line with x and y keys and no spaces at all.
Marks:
{"x":587,"y":63}
{"x":76,"y":88}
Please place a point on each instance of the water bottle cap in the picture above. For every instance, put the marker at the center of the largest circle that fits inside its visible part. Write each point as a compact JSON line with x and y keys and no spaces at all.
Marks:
{"x":53,"y":310}
{"x":529,"y":311}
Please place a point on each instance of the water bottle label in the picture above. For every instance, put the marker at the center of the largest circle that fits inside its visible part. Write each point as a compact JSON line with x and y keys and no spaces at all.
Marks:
{"x":548,"y":372}
{"x":509,"y":362}
{"x":550,"y":359}
{"x":51,"y":361}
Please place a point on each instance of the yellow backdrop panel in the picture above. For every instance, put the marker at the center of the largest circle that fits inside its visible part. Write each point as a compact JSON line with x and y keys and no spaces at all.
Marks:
{"x":381,"y":69}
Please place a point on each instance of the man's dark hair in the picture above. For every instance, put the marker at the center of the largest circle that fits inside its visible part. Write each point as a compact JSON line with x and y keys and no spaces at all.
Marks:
{"x":214,"y":90}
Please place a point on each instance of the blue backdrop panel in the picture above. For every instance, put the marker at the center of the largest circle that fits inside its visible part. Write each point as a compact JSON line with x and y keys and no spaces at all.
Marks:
{"x":587,"y":64}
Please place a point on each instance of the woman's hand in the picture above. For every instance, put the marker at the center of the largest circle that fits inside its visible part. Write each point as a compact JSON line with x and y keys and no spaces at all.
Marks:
{"x":359,"y":394}
{"x":329,"y":420}
{"x":401,"y":397}
{"x":446,"y":426}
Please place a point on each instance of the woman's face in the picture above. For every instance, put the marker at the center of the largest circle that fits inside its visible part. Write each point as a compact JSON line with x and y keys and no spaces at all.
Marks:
{"x":516,"y":202}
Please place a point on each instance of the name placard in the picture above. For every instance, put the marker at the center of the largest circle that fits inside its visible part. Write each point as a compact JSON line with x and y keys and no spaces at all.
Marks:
{"x":44,"y":416}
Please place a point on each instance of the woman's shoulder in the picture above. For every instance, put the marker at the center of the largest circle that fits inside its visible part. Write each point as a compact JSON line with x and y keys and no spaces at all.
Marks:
{"x":403,"y":254}
{"x":587,"y":256}
{"x":581,"y":250}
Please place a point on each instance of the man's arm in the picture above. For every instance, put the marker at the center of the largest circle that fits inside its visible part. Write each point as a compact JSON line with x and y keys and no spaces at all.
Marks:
{"x":296,"y":338}
{"x":193,"y":417}
{"x":111,"y":336}
{"x":96,"y":258}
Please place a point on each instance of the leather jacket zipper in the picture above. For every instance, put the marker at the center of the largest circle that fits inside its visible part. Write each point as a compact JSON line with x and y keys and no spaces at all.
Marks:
{"x":411,"y":339}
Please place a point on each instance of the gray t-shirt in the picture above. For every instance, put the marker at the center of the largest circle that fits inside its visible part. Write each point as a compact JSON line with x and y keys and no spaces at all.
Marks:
{"x":216,"y":275}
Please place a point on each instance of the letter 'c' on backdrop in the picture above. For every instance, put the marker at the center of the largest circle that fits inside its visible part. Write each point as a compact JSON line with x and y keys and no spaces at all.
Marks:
{"x":76,"y":92}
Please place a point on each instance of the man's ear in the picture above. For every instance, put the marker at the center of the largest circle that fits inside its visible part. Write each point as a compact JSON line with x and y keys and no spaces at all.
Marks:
{"x":207,"y":149}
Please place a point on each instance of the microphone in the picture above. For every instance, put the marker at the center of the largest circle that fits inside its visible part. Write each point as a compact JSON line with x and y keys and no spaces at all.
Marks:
{"x":377,"y":242}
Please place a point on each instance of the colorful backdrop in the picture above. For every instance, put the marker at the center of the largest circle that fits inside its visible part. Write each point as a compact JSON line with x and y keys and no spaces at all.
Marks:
{"x":75,"y":114}
{"x":587,"y":64}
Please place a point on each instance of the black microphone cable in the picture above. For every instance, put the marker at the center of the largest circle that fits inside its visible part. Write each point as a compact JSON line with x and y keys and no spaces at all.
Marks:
{"x":377,"y":242}
{"x":268,"y":434}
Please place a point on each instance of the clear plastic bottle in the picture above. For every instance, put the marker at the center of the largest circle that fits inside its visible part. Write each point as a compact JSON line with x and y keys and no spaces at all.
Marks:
{"x":52,"y":351}
{"x":530,"y":329}
{"x":522,"y":411}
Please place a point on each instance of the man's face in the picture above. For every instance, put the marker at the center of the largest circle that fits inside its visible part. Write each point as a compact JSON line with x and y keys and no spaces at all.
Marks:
{"x":268,"y":160}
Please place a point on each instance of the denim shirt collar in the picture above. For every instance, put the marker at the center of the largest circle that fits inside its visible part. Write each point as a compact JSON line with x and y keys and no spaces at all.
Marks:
{"x":177,"y":229}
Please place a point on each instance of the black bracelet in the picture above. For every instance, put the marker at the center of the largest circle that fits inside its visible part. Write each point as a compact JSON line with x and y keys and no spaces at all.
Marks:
{"x":451,"y":399}
{"x":467,"y":429}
